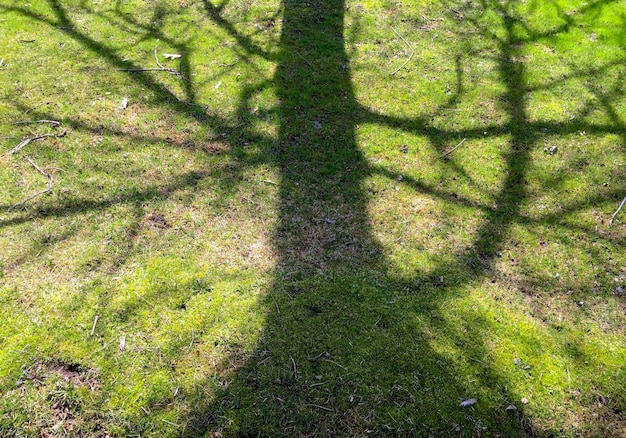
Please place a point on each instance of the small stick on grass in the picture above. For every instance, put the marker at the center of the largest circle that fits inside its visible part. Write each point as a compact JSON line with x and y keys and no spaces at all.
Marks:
{"x":193,"y":338}
{"x":321,"y":407}
{"x":410,"y":56}
{"x":314,"y":358}
{"x":29,"y":139}
{"x":617,"y":211}
{"x":29,"y":122}
{"x":276,"y":304}
{"x":231,"y":64}
{"x":453,"y":149}
{"x":159,"y":68}
{"x":93,"y":327}
{"x":306,"y":61}
{"x":156,"y":57}
{"x":184,"y":102}
{"x":36,"y":106}
{"x":169,"y":70}
{"x":48,"y":190}
{"x":335,"y":363}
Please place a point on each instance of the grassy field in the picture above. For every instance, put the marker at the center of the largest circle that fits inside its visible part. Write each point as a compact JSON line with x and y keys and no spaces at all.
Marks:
{"x":318,"y":218}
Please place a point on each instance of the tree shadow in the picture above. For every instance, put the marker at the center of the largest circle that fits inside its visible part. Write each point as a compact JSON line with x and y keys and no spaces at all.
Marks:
{"x":322,"y":379}
{"x":332,"y":279}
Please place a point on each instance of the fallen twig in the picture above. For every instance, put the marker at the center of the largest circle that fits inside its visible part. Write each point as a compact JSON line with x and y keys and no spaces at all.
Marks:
{"x":93,"y":327}
{"x":36,"y":106}
{"x":169,"y":70}
{"x":156,"y":58}
{"x":321,"y":407}
{"x":410,"y":56}
{"x":314,"y":358}
{"x":617,"y":211}
{"x":159,"y":68}
{"x":184,"y":102}
{"x":306,"y":61}
{"x":335,"y":363}
{"x":29,"y":139}
{"x":453,"y":149}
{"x":29,"y":122}
{"x":231,"y":64}
{"x":48,"y":190}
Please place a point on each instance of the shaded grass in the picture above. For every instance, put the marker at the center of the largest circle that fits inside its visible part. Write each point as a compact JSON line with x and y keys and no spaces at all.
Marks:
{"x":286,"y":252}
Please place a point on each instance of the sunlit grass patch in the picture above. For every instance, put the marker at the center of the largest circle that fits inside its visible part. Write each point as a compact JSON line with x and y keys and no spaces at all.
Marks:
{"x":329,"y":218}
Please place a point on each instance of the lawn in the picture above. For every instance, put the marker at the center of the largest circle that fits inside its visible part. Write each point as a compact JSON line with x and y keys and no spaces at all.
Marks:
{"x":312,"y":218}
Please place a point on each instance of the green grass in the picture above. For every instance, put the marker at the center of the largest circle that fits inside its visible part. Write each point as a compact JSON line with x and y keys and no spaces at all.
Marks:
{"x":275,"y":237}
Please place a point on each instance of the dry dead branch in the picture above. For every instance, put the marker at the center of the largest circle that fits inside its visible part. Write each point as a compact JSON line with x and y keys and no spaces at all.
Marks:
{"x":30,"y":122}
{"x":36,"y":106}
{"x":617,"y":211}
{"x":156,"y":57}
{"x":453,"y":149}
{"x":410,"y":56}
{"x":169,"y":70}
{"x":29,"y":139}
{"x":159,"y":68}
{"x":184,"y":102}
{"x":93,"y":327}
{"x":47,"y":190}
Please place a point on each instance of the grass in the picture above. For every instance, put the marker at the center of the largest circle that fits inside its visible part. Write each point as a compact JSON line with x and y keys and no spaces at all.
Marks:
{"x":271,"y":244}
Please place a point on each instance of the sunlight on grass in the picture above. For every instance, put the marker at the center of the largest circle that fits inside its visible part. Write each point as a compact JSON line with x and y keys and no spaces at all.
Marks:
{"x":326,"y":218}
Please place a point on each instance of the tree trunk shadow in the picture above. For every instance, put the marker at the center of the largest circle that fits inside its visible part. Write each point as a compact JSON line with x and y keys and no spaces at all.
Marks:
{"x":336,"y":320}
